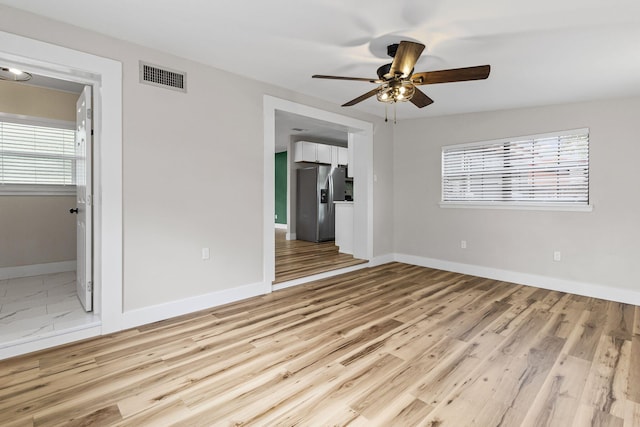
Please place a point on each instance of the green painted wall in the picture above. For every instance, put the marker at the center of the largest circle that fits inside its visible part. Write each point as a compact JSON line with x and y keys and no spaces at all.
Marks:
{"x":281,"y":188}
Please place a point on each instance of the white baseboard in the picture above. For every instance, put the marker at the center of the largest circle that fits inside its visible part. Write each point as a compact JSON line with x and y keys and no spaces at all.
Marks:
{"x":142,"y":316}
{"x":36,"y":269}
{"x":281,"y":226}
{"x":53,"y":339}
{"x":382,"y":259}
{"x":555,"y":284}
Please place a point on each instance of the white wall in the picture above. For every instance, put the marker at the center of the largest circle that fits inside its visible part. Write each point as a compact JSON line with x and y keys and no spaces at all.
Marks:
{"x":182,"y":187}
{"x":383,"y":201}
{"x":36,"y":229}
{"x":22,"y":99}
{"x":598,"y":247}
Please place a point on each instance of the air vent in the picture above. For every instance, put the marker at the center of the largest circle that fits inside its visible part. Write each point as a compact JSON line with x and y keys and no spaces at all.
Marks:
{"x":163,"y":77}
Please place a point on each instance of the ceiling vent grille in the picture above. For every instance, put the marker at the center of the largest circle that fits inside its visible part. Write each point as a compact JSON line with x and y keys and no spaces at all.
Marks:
{"x":163,"y":77}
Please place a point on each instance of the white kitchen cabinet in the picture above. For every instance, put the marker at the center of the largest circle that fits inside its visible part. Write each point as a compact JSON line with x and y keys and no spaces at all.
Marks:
{"x":343,"y":156}
{"x":305,"y":151}
{"x":323,"y":153}
{"x":339,"y":156}
{"x":350,"y":149}
{"x":344,"y":227}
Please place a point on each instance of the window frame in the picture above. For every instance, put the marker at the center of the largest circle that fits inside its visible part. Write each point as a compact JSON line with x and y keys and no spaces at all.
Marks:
{"x":37,"y":189}
{"x":516,"y":204}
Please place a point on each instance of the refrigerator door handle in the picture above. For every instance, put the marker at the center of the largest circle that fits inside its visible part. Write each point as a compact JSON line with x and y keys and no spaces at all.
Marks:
{"x":330,"y":201}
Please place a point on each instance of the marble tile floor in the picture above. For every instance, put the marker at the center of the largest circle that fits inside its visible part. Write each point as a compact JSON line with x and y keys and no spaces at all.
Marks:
{"x":40,"y":306}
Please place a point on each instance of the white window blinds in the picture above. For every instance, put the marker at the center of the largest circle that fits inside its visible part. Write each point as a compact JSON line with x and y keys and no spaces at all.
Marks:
{"x":36,"y":154}
{"x":543,"y":169}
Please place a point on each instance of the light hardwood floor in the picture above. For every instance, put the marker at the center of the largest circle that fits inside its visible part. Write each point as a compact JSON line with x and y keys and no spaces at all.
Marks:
{"x":395,"y":345}
{"x":297,"y":258}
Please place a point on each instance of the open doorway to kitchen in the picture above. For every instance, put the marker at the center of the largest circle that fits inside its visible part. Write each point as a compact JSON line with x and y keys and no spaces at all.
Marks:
{"x":105,"y":77}
{"x":289,"y":259}
{"x":313,"y":185}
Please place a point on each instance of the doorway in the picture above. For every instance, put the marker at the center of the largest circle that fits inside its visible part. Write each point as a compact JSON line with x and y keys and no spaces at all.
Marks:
{"x":105,"y":75}
{"x":46,"y":259}
{"x":359,"y":133}
{"x":307,"y":239}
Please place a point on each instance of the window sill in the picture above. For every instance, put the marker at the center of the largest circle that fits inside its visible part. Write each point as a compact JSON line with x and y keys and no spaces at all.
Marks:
{"x":37,"y":190}
{"x":518,"y":206}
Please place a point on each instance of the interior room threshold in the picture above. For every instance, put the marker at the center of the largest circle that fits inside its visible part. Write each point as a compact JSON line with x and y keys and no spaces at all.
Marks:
{"x":92,"y":321}
{"x":331,"y":273}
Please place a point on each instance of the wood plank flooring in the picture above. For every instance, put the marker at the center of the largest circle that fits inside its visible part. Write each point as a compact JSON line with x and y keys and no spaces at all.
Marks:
{"x":395,"y":345}
{"x":297,"y":258}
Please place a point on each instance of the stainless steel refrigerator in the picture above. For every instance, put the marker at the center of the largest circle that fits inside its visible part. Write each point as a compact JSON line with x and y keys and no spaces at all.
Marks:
{"x":318,"y":186}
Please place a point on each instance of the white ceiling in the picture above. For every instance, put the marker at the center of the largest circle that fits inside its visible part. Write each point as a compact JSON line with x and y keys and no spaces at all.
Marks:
{"x":541,"y":52}
{"x":303,"y":128}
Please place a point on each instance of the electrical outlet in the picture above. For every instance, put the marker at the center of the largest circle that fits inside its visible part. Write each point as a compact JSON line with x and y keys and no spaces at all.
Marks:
{"x":463,"y":244}
{"x":205,"y":253}
{"x":557,"y":256}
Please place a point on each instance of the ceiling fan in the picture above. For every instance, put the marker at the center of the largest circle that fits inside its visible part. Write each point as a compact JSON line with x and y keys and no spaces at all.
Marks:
{"x":398,"y":82}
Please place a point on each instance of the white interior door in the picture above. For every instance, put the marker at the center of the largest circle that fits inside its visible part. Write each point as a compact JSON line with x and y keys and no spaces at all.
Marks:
{"x":84,"y":281}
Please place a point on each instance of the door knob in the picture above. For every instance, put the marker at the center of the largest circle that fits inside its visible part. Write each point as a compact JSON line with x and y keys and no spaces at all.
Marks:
{"x":74,"y":210}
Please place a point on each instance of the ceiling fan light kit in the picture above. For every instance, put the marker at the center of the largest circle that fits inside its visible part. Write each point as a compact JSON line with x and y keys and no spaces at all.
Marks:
{"x":396,"y":91}
{"x":398,"y":82}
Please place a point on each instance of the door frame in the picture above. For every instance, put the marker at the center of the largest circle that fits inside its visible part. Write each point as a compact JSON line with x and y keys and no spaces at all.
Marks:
{"x":361,"y":134}
{"x":105,"y":75}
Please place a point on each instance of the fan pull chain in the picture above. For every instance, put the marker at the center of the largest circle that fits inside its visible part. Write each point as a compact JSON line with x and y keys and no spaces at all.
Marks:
{"x":386,"y":113}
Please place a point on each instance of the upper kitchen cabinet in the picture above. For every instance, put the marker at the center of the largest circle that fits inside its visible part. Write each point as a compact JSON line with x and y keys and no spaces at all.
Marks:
{"x":343,"y":156}
{"x":305,"y":151}
{"x":339,"y":156}
{"x":324,"y":153}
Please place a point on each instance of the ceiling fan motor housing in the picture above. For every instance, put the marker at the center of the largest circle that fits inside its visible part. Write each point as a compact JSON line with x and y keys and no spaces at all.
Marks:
{"x":392,"y":49}
{"x":383,"y":72}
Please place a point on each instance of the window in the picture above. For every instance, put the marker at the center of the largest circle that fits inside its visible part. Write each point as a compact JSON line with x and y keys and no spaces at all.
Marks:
{"x":550,"y":170}
{"x":36,"y":157}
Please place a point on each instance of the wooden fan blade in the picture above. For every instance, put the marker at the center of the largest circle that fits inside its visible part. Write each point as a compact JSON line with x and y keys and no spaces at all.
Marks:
{"x":360,"y":79}
{"x":361,"y":98}
{"x":406,"y":57}
{"x":420,"y":99}
{"x":454,"y":75}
